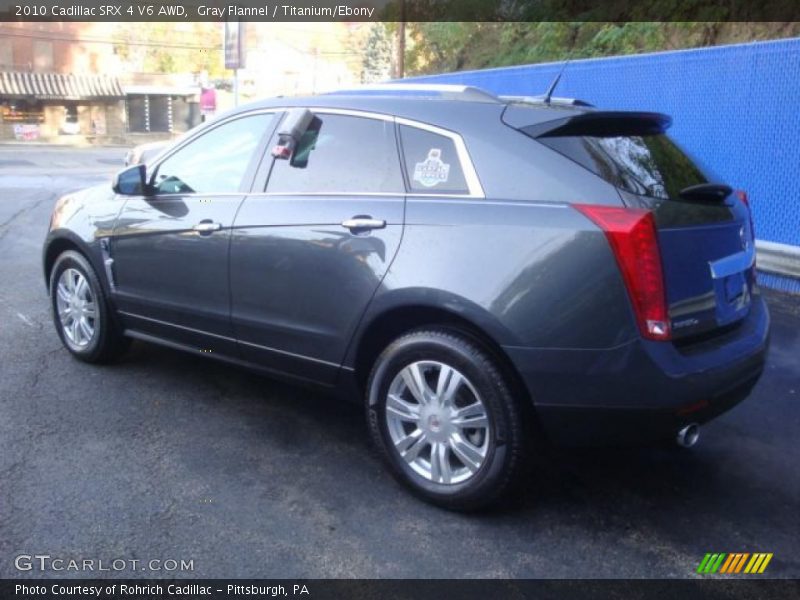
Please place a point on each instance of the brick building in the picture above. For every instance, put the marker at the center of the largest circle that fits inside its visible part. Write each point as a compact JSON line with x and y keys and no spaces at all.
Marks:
{"x":54,"y":80}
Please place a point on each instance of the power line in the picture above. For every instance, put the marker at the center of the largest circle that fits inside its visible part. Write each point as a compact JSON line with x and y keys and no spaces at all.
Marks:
{"x":120,"y":42}
{"x":48,"y":36}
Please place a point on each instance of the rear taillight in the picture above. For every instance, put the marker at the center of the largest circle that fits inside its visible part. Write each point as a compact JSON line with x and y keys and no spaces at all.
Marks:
{"x":632,"y":236}
{"x":742,"y":195}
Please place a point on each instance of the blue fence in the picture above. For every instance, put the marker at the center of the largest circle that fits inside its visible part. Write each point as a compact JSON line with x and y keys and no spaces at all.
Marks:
{"x":736,"y":108}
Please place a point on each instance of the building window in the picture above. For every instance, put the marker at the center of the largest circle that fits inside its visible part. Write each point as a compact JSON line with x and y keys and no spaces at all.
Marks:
{"x":160,"y":113}
{"x":42,"y":55}
{"x":22,"y":111}
{"x":6,"y":55}
{"x":138,"y":117}
{"x":149,"y":113}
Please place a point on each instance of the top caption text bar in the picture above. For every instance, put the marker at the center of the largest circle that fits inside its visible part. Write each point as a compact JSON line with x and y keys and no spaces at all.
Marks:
{"x":400,"y":10}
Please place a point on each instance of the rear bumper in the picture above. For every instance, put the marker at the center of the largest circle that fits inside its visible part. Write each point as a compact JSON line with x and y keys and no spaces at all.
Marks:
{"x":642,"y":390}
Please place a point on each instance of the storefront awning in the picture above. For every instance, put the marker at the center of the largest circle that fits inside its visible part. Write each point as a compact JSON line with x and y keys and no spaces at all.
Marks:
{"x":55,"y":86}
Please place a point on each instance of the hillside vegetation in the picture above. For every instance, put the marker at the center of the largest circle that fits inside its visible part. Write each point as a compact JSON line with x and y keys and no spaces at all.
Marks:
{"x":443,"y":47}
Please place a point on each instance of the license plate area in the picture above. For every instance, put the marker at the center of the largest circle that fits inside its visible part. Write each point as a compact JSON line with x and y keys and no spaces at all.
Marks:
{"x":732,"y":285}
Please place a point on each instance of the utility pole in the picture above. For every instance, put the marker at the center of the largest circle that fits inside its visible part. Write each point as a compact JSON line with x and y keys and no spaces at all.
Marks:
{"x":401,"y":49}
{"x":401,"y":42}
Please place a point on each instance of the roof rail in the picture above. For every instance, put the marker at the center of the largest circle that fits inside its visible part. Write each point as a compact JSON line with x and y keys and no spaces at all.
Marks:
{"x":449,"y":91}
{"x":544,"y":100}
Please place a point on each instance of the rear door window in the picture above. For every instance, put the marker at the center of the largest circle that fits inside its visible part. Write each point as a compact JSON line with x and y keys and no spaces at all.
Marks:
{"x":431,"y":162}
{"x":651,"y":165}
{"x":341,"y":154}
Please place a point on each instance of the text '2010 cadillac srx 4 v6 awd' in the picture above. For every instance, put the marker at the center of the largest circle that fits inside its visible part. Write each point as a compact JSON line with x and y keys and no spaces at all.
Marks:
{"x":482,"y":271}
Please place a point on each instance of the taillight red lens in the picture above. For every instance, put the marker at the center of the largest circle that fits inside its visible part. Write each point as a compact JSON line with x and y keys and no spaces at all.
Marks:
{"x":742,"y":195}
{"x":631,"y":233}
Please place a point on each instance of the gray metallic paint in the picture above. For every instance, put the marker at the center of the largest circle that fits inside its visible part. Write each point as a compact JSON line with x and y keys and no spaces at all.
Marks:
{"x":166,"y":271}
{"x":529,"y":271}
{"x":300,"y":281}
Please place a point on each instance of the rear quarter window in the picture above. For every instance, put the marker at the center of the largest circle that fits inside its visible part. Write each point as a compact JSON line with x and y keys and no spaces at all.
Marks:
{"x":431,"y":162}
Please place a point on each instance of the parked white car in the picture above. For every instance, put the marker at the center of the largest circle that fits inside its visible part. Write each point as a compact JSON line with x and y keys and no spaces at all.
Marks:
{"x":144,"y":152}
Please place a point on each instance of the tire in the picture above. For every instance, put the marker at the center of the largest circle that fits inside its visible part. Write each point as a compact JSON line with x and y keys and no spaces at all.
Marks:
{"x":87,"y":327}
{"x":429,"y":445}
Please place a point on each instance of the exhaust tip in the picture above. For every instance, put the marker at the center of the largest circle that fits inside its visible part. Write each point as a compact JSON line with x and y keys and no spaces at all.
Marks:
{"x":688,"y":436}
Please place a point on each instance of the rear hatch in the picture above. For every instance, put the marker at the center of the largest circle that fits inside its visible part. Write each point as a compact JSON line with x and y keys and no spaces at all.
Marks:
{"x":704,"y":230}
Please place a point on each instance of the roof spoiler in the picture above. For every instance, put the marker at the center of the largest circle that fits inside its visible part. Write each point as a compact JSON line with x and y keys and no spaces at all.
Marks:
{"x":601,"y":124}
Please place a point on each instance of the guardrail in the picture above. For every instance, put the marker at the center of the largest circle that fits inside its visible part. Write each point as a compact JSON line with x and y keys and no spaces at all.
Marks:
{"x":779,"y":259}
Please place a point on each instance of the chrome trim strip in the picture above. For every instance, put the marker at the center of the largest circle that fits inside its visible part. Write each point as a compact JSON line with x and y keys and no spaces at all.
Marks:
{"x":735,"y":263}
{"x":411,"y":196}
{"x":229,"y":339}
{"x":168,"y":324}
{"x":467,"y":166}
{"x":287,"y":353}
{"x":695,"y":304}
{"x":213,"y":124}
{"x":351,"y":113}
{"x":370,"y":194}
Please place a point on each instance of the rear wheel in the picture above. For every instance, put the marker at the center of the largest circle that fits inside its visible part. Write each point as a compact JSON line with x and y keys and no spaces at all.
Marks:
{"x":80,"y":311}
{"x":441,"y":412}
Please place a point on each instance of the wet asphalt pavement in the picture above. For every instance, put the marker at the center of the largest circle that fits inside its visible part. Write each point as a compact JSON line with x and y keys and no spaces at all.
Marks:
{"x":167,"y":456}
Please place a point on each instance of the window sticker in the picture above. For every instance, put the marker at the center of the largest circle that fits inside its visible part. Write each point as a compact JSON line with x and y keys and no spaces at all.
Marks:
{"x":432,"y":170}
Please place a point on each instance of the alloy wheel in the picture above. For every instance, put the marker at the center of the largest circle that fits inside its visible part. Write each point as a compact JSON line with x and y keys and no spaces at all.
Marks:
{"x":437,"y":422}
{"x":77,"y":310}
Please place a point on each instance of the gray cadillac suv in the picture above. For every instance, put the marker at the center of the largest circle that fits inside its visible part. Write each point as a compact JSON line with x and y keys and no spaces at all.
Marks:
{"x":483,"y":271}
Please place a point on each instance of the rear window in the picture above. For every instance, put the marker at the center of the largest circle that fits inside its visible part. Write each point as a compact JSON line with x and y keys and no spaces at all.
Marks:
{"x":651,"y":165}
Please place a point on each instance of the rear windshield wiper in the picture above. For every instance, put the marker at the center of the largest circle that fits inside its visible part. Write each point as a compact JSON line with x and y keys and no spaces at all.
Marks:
{"x":709,"y":192}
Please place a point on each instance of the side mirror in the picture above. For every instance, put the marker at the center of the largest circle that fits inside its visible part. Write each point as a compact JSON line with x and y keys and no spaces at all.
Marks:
{"x":294,"y":125}
{"x":131,"y":181}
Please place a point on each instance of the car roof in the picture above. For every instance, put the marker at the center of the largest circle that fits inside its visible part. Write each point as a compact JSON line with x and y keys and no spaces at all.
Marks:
{"x":441,"y":110}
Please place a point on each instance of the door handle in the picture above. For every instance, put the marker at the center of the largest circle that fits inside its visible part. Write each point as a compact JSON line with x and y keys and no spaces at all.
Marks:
{"x":207,"y":226}
{"x":363,"y":223}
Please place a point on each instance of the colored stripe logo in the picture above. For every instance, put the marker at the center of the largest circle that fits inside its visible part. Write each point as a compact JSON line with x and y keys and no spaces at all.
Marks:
{"x":737,"y":562}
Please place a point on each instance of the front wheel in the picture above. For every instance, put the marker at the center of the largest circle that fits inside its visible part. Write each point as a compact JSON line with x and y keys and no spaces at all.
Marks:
{"x":80,"y":311}
{"x":442,"y":413}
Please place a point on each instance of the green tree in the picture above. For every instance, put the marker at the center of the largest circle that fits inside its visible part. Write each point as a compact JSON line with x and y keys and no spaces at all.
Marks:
{"x":162,"y":48}
{"x":443,"y":47}
{"x":377,"y":55}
